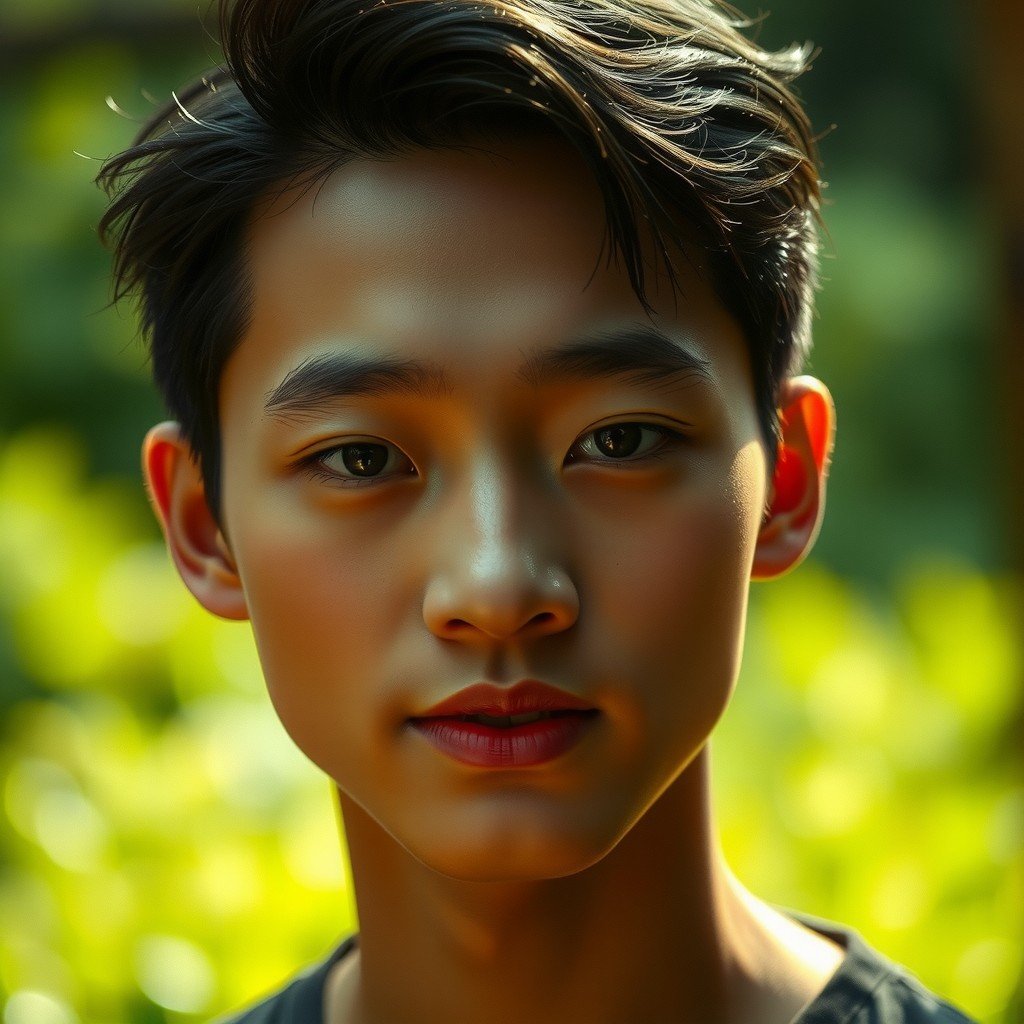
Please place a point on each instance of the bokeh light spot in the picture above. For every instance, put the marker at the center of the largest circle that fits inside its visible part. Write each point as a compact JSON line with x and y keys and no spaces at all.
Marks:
{"x":31,"y":1007}
{"x":174,"y":973}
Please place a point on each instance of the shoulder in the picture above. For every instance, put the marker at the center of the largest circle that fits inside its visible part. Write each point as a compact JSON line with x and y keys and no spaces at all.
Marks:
{"x":269,"y":1010}
{"x":298,"y":1001}
{"x":869,"y":988}
{"x":279,"y":1007}
{"x":896,"y":998}
{"x":902,"y":999}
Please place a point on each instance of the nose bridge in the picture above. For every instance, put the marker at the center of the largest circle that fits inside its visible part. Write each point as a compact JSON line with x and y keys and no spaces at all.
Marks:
{"x":502,"y":569}
{"x":496,"y":510}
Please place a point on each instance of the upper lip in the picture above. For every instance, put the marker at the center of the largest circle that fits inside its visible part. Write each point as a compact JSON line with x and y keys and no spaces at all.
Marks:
{"x":489,"y":699}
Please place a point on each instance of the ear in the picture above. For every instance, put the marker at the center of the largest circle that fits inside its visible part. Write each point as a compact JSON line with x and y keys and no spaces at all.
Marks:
{"x":194,"y":540}
{"x":796,"y":498}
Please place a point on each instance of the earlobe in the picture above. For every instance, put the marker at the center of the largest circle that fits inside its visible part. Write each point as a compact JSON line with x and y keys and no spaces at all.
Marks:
{"x":196,"y":543}
{"x":796,"y":500}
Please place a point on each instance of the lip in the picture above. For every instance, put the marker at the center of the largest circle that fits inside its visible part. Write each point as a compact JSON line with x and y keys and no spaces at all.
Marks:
{"x":520,"y":746}
{"x":488,"y":699}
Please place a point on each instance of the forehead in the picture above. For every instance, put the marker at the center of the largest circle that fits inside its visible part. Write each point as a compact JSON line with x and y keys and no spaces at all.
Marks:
{"x":469,"y":259}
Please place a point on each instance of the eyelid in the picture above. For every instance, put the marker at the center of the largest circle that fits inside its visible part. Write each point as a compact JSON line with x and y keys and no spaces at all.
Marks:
{"x":675,"y":427}
{"x":314,"y":463}
{"x":671,"y":436}
{"x":643,"y":419}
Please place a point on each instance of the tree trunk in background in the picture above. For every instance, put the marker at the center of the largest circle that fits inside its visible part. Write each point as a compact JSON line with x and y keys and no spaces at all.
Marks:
{"x":999,"y":59}
{"x":1001,"y":91}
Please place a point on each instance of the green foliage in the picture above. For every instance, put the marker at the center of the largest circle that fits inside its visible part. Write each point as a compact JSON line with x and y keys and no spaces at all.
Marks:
{"x":160,"y":817}
{"x":863,"y":771}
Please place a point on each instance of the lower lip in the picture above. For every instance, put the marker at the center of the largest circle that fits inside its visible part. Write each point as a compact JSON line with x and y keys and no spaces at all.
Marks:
{"x":519,"y":746}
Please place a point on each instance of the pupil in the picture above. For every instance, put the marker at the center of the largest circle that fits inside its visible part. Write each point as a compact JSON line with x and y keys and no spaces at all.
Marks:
{"x":364,"y":459}
{"x":620,"y":440}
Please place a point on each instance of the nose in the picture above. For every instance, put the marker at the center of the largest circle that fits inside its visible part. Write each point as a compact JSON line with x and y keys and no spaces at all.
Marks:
{"x":495,"y":576}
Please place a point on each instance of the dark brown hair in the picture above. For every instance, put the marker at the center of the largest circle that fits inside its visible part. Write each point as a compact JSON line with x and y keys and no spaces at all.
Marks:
{"x":689,"y":129}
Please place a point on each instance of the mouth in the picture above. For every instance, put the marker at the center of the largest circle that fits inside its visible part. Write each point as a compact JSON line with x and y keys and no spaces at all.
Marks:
{"x":489,"y":726}
{"x":506,"y":707}
{"x":509,"y":721}
{"x":526,"y":740}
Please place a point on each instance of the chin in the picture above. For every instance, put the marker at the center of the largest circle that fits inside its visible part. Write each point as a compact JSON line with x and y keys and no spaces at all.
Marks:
{"x":491,"y":866}
{"x":511,"y":852}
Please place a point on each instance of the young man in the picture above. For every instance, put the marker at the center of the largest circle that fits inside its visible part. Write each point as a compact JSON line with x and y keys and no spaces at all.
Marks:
{"x":480,"y":325}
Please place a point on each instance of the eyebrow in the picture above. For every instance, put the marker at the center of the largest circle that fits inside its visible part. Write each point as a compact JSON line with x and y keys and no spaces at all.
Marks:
{"x":639,"y":354}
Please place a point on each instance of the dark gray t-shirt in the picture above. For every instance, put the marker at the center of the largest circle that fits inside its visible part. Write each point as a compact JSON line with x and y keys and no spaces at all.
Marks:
{"x":867,"y":988}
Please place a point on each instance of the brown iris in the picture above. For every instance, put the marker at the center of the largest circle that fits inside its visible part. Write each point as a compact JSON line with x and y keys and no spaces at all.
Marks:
{"x":364,"y":459}
{"x":620,"y":440}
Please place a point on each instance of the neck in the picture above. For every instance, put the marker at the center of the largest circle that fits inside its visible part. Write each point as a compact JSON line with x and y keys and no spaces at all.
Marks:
{"x":658,"y":929}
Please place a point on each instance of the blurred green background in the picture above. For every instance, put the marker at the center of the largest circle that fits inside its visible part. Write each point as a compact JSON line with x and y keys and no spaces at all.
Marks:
{"x":168,"y":854}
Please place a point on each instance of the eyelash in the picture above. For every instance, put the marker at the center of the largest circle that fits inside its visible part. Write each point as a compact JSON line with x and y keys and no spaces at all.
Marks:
{"x":315,"y":466}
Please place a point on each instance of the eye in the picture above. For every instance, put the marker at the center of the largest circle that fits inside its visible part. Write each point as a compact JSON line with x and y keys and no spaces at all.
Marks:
{"x":624,"y":442}
{"x":358,"y":463}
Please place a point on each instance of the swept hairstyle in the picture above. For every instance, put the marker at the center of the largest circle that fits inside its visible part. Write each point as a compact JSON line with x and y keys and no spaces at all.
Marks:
{"x":691,"y":131}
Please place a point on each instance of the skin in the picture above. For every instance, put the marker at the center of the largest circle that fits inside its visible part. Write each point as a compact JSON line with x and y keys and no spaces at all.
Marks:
{"x":591,"y":888}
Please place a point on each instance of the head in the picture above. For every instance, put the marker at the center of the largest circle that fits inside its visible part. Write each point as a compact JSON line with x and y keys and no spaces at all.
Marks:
{"x":480,"y":325}
{"x":689,"y":131}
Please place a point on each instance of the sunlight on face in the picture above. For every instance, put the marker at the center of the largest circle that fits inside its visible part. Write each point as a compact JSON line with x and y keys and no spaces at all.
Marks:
{"x":457,"y":449}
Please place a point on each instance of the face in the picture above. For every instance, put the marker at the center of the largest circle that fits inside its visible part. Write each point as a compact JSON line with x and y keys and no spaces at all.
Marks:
{"x":508,"y":511}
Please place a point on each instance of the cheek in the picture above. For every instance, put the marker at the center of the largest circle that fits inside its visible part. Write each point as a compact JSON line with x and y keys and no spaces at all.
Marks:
{"x":686,"y":555}
{"x":321,"y":618}
{"x":674,"y":592}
